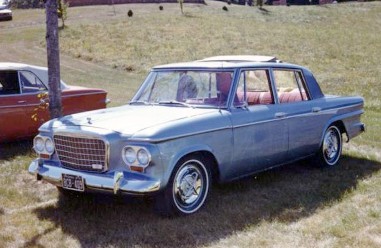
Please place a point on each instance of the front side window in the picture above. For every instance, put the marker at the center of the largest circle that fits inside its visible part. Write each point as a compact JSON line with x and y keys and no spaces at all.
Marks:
{"x":9,"y":83}
{"x":290,"y":86}
{"x":254,"y":88}
{"x":186,"y":87}
{"x":30,"y":82}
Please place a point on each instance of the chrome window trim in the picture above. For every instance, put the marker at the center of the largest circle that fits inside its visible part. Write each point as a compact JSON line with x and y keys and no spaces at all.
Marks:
{"x":270,"y":84}
{"x":18,"y":74}
{"x":303,"y":79}
{"x":230,"y":99}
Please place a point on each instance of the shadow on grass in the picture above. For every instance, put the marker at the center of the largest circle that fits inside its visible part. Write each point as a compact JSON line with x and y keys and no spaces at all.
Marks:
{"x":264,"y":10}
{"x":11,"y":150}
{"x":285,"y":194}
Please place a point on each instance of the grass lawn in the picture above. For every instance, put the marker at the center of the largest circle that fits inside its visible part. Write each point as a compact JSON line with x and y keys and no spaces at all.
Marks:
{"x":293,"y":206}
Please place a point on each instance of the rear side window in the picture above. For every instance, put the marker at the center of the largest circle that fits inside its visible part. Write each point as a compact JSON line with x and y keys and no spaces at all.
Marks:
{"x":290,"y":86}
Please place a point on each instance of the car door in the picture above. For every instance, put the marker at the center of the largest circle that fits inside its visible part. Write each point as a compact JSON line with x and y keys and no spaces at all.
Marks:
{"x":22,"y":104}
{"x":260,"y":132}
{"x":299,"y":111}
{"x":12,"y":104}
{"x":35,"y":97}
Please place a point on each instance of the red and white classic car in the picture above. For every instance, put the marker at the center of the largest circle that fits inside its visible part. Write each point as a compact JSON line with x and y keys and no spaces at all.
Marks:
{"x":23,"y":100}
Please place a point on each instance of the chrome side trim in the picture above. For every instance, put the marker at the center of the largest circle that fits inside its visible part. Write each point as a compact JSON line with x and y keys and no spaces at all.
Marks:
{"x":20,"y":105}
{"x":240,"y":126}
{"x":294,"y":116}
{"x":86,"y":94}
{"x":177,"y":136}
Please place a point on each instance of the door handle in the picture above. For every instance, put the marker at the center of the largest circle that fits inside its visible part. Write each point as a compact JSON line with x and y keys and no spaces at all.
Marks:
{"x":20,"y":102}
{"x":316,"y":109}
{"x":280,"y":115}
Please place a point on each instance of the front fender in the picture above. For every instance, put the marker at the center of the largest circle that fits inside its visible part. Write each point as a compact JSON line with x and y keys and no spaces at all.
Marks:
{"x":178,"y":155}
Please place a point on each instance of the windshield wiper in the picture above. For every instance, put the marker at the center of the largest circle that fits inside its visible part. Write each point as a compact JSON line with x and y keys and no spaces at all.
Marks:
{"x":138,"y":103}
{"x":176,"y":103}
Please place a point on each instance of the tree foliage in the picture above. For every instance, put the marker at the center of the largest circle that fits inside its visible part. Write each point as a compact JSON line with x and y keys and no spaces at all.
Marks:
{"x":62,"y":7}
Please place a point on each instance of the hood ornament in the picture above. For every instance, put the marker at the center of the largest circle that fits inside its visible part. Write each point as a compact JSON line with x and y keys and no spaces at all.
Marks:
{"x":89,"y":120}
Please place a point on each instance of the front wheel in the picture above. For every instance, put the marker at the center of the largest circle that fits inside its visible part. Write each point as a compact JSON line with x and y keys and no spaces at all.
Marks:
{"x":187,"y":188}
{"x":330,"y":150}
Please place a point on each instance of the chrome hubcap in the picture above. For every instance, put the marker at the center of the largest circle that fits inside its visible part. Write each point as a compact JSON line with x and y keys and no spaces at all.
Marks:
{"x":188,"y":185}
{"x":331,"y":145}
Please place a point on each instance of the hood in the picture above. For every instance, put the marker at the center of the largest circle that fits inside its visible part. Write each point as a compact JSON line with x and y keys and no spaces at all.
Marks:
{"x":129,"y":120}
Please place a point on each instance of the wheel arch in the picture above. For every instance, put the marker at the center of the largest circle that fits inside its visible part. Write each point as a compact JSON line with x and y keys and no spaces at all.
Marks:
{"x":211,"y":162}
{"x":339,"y":124}
{"x":201,"y":150}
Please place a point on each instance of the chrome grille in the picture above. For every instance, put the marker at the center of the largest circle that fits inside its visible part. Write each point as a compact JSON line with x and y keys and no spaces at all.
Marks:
{"x":81,"y":153}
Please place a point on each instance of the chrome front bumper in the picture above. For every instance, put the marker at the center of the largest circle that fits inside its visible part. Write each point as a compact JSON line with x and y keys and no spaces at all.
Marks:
{"x":115,"y":181}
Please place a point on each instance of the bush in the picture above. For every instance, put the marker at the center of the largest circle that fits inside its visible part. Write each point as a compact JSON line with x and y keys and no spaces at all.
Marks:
{"x":26,"y":4}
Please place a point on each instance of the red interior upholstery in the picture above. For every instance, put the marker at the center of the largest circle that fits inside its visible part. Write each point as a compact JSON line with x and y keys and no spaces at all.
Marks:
{"x":265,"y":98}
{"x":257,"y":97}
{"x":293,"y":96}
{"x":224,"y":80}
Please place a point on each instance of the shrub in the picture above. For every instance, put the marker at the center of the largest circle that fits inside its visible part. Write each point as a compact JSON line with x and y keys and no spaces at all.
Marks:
{"x":26,"y":4}
{"x":130,"y":13}
{"x":62,"y":11}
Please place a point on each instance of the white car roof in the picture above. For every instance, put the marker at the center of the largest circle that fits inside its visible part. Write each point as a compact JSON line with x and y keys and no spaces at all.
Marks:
{"x":225,"y":61}
{"x":39,"y":71}
{"x":241,"y":58}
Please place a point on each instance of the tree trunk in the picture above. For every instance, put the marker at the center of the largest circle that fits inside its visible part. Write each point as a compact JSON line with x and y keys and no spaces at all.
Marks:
{"x":53,"y":52}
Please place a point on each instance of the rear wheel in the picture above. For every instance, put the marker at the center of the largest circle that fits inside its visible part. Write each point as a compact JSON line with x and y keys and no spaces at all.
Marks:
{"x":187,"y":188}
{"x":330,"y":150}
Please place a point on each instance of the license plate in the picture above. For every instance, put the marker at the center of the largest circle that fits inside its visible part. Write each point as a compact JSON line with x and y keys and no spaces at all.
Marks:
{"x":73,"y":182}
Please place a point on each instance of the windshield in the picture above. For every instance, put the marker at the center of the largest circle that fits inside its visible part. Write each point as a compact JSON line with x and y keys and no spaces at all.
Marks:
{"x":3,"y":4}
{"x":186,"y":88}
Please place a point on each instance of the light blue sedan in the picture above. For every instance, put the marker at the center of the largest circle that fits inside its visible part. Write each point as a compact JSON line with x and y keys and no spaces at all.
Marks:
{"x":216,"y":119}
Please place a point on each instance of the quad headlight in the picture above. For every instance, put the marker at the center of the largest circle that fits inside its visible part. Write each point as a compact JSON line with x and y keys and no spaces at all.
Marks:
{"x":136,"y":156}
{"x":39,"y":144}
{"x":143,"y":157}
{"x":43,"y":145}
{"x":49,"y":146}
{"x":129,"y":155}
